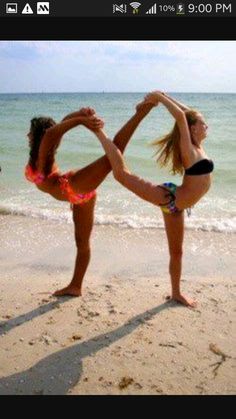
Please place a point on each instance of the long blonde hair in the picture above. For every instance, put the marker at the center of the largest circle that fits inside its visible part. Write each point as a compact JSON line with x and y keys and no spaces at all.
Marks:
{"x":168,"y":147}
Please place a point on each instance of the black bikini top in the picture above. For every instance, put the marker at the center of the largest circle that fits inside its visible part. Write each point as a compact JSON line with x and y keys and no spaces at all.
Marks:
{"x":202,"y":167}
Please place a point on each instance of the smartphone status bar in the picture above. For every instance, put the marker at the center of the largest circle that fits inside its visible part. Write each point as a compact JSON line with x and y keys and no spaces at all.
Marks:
{"x":109,"y":8}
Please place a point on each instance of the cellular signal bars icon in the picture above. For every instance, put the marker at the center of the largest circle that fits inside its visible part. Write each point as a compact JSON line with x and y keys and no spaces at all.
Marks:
{"x":153,"y":10}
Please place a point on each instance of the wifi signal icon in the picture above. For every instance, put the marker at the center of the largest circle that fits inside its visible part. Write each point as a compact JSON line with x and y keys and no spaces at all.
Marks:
{"x":135,"y":6}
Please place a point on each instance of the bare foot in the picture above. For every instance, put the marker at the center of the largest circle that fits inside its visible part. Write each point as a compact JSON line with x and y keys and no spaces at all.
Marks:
{"x":87,"y":111}
{"x":70,"y":290}
{"x":144,"y":106}
{"x":186,"y":301}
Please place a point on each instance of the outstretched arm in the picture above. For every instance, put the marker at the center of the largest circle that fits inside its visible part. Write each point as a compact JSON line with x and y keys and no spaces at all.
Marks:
{"x":186,"y":145}
{"x":143,"y":189}
{"x":52,"y":137}
{"x":173,"y":108}
{"x":182,"y":106}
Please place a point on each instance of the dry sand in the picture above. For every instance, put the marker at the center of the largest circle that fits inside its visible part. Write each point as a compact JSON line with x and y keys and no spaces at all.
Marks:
{"x":121,"y":337}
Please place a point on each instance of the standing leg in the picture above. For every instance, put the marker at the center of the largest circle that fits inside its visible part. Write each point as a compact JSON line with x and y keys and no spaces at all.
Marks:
{"x":85,"y":180}
{"x":91,"y":176}
{"x":83,"y":217}
{"x":174,"y":224}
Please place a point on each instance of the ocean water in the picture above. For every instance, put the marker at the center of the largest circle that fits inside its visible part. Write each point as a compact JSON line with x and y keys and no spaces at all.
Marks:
{"x":116,"y":205}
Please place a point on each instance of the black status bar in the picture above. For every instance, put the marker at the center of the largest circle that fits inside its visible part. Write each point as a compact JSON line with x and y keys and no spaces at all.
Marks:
{"x":120,"y":9}
{"x":76,"y":28}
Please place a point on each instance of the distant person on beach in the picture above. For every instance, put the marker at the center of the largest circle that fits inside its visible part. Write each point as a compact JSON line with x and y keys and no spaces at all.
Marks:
{"x":182,"y":150}
{"x":77,"y":186}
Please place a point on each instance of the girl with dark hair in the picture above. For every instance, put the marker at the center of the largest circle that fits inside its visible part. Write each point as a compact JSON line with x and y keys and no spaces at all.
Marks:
{"x":182,"y":149}
{"x":79,"y":186}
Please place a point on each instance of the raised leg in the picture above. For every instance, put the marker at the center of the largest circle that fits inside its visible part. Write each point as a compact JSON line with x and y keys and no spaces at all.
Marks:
{"x":174,"y":224}
{"x":91,"y":176}
{"x":83,"y":217}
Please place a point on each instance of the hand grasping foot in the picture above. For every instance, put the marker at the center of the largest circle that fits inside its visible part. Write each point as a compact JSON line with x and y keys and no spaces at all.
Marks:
{"x":154,"y":97}
{"x":93,"y":122}
{"x":87,"y":111}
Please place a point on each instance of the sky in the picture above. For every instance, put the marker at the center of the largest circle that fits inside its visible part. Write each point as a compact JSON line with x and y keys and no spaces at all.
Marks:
{"x":117,"y":66}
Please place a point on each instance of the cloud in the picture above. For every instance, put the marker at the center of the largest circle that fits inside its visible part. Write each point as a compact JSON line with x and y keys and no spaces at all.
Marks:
{"x":117,"y":65}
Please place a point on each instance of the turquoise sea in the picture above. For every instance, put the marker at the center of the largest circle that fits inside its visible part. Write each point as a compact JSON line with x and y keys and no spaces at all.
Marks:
{"x":117,"y":206}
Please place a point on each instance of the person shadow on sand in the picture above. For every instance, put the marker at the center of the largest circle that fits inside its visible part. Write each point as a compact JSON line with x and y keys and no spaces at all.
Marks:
{"x":61,"y":371}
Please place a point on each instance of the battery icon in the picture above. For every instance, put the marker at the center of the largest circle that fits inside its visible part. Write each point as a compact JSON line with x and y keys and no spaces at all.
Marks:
{"x":180,"y":9}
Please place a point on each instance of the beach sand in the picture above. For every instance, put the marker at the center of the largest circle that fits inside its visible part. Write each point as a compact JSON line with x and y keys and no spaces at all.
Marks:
{"x":121,"y":337}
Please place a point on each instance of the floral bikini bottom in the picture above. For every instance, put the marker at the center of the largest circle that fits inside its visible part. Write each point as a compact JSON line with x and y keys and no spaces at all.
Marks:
{"x":169,"y":207}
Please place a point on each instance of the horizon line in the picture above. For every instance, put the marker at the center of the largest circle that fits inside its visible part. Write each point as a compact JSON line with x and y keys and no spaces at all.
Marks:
{"x":104,"y":91}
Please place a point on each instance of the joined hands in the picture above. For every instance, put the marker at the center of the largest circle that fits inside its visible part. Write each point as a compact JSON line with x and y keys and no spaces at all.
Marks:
{"x":152,"y":98}
{"x":93,"y":122}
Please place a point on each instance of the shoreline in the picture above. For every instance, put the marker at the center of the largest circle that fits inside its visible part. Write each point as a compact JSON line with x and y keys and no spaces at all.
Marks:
{"x":34,"y":243}
{"x":144,"y":222}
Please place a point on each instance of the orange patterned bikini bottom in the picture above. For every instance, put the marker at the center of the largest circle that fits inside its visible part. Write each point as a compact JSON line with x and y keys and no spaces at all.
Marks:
{"x":72,"y":196}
